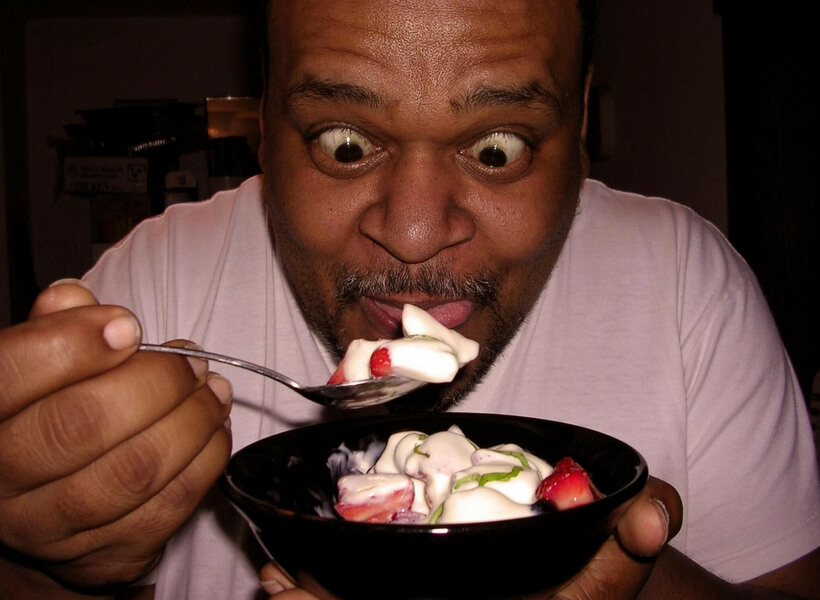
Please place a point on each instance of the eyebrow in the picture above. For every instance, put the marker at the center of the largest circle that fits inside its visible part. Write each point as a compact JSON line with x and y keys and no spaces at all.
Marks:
{"x":488,"y":96}
{"x":311,"y":88}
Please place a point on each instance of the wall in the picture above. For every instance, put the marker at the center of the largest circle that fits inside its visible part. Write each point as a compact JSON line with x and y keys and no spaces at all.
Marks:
{"x":75,"y":64}
{"x":663,"y":62}
{"x":774,"y":196}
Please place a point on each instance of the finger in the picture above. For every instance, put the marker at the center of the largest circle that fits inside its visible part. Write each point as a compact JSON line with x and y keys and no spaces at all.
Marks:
{"x":75,"y":426}
{"x":56,"y":350}
{"x":61,"y":295}
{"x":127,"y":548}
{"x":651,"y":520}
{"x":125,"y":478}
{"x":294,"y":594}
{"x":280,"y":585}
{"x":274,"y":579}
{"x":623,"y":563}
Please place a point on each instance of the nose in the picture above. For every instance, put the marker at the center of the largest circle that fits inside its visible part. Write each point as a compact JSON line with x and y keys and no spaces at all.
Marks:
{"x":419,"y":212}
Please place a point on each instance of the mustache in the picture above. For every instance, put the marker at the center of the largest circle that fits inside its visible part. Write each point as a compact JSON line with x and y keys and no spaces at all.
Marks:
{"x":435,"y":281}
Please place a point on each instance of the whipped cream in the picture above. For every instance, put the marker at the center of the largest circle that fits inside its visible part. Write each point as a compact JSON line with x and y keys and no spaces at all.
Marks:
{"x":429,"y":351}
{"x":452,"y":481}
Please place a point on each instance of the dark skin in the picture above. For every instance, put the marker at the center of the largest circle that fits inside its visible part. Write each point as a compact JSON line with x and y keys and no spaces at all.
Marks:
{"x":100,"y":464}
{"x":90,"y":487}
{"x":418,"y":207}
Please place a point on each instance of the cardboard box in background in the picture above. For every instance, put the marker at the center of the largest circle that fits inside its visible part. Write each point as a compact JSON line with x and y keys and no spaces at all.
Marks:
{"x":105,"y":175}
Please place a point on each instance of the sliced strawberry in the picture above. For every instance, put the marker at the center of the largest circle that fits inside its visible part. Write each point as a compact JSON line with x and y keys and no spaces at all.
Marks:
{"x":383,"y":512}
{"x":338,"y":375}
{"x":380,"y":362}
{"x":567,"y":486}
{"x":381,"y":505}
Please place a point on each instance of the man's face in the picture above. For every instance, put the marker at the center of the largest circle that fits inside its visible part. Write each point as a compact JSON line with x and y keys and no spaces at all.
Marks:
{"x":422,"y":152}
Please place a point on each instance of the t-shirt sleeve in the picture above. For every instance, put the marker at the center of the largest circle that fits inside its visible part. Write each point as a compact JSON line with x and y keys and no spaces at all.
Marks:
{"x":753,"y":492}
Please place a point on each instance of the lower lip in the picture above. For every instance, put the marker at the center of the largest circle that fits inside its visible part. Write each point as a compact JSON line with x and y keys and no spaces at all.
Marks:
{"x":386,"y":318}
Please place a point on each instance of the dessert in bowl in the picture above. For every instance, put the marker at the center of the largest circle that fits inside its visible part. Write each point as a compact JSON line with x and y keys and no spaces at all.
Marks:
{"x":286,"y":488}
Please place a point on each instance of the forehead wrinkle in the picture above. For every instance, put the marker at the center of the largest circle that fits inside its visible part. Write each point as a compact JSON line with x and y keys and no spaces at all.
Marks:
{"x":313,"y":88}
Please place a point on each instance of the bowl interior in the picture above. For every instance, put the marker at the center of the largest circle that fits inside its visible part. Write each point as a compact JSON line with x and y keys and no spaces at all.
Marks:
{"x":283,"y":486}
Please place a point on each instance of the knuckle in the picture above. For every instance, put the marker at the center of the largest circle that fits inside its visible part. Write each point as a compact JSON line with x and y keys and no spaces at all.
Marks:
{"x":16,"y":451}
{"x":190,"y":486}
{"x":108,"y":489}
{"x":181,"y":494}
{"x":73,"y":425}
{"x":40,"y":355}
{"x":135,"y":467}
{"x":11,"y":379}
{"x":14,"y":376}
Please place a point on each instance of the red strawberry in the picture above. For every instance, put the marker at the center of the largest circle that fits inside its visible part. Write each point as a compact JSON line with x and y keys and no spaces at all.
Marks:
{"x":380,"y":362}
{"x":338,"y":375}
{"x":382,"y":506}
{"x":567,"y":486}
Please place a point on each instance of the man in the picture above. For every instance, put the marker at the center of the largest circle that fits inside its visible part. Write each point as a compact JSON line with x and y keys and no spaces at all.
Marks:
{"x":424,"y":152}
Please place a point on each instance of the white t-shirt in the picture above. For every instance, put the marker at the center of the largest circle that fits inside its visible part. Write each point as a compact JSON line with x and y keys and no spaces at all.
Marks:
{"x":651,"y":329}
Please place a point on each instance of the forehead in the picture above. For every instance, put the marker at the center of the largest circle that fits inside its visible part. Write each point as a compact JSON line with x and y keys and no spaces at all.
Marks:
{"x":420,"y":50}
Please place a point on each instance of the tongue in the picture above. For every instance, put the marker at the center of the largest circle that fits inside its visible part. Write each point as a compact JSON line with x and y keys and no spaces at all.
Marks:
{"x":451,"y":314}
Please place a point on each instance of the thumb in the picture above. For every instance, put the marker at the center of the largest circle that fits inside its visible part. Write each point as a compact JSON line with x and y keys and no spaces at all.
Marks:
{"x":653,"y":518}
{"x":274,"y":579}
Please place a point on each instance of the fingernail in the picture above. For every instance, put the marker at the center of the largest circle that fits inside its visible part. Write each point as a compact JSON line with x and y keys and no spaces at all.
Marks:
{"x":664,"y":515}
{"x":272,"y":587}
{"x":221,"y":388}
{"x":122,"y":332}
{"x":198,"y":365}
{"x":70,"y":281}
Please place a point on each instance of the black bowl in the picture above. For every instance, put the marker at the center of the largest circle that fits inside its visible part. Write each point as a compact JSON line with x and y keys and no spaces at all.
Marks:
{"x":284,"y":488}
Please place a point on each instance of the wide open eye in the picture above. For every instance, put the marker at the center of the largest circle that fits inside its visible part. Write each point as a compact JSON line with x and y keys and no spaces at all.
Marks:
{"x":498,"y":149}
{"x":344,"y":145}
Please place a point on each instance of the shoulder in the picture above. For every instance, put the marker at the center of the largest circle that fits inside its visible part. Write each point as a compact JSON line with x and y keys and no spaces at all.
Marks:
{"x":191,"y":229}
{"x":656,"y":232}
{"x":223,"y":210}
{"x":185,"y":246}
{"x":629,"y":211}
{"x":658,"y":253}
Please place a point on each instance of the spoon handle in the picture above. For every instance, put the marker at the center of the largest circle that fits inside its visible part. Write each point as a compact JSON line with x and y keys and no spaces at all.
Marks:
{"x":228,"y":360}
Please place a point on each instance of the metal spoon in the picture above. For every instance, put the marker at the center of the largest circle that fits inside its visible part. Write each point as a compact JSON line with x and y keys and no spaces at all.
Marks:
{"x":351,"y":394}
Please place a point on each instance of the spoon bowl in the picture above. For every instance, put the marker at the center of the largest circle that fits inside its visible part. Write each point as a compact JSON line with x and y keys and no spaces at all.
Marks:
{"x":351,"y":394}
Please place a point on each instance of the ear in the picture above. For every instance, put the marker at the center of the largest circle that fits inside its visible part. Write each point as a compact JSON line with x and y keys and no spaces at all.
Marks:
{"x":584,"y":154}
{"x":587,"y":87}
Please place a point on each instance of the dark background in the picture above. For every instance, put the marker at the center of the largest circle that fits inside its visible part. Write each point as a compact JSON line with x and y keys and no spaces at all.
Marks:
{"x":771,"y":124}
{"x":765,"y":145}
